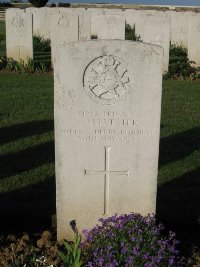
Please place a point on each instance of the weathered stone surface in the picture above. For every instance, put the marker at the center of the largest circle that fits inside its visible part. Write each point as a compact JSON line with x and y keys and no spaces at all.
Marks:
{"x":84,"y":26}
{"x":108,"y":26}
{"x":194,"y":39}
{"x":64,"y":28}
{"x":133,"y":17}
{"x":180,"y":27}
{"x":156,"y":30}
{"x":107,"y":120}
{"x":19,"y":34}
{"x":136,"y":17}
{"x":42,"y":20}
{"x":84,"y":21}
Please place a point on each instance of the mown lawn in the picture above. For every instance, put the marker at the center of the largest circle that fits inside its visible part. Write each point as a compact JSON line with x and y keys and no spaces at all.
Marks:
{"x":27,"y":179}
{"x":27,"y":190}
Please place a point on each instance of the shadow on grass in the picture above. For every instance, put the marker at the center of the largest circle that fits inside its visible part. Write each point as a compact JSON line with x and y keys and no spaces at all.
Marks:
{"x":28,"y":209}
{"x":179,"y":146}
{"x":178,"y":201}
{"x":18,"y":131}
{"x":25,"y":160}
{"x":178,"y":207}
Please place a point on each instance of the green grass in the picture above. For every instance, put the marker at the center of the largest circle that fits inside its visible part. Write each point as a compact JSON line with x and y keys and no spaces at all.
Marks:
{"x":178,"y":199}
{"x":27,"y":183}
{"x":27,"y":190}
{"x":179,"y":164}
{"x":2,"y":27}
{"x":3,"y":42}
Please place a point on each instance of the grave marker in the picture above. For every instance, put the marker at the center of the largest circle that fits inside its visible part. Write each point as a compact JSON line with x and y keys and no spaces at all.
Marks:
{"x":108,"y":26}
{"x":64,"y":28}
{"x":107,"y":120}
{"x":84,"y":26}
{"x":19,"y":34}
{"x":180,"y":27}
{"x":155,"y":29}
{"x":42,"y":20}
{"x":194,"y":39}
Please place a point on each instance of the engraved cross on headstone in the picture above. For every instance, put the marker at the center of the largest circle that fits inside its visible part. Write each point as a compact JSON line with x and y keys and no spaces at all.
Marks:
{"x":182,"y":34}
{"x":106,"y":172}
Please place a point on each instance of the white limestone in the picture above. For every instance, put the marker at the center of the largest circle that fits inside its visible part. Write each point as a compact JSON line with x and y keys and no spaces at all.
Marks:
{"x":84,"y":21}
{"x":156,"y":30}
{"x":42,"y":20}
{"x":64,"y":28}
{"x":19,"y":34}
{"x":108,"y":26}
{"x":180,"y":27}
{"x":194,"y":39}
{"x":133,"y":17}
{"x":84,"y":26}
{"x":107,"y":121}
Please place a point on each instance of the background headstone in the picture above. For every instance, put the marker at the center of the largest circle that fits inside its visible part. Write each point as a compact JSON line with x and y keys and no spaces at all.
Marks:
{"x":107,"y":121}
{"x":42,"y":20}
{"x":180,"y":27}
{"x":84,"y":26}
{"x":108,"y":26}
{"x":133,"y":17}
{"x":156,"y":30}
{"x":194,"y":39}
{"x":19,"y":34}
{"x":64,"y":28}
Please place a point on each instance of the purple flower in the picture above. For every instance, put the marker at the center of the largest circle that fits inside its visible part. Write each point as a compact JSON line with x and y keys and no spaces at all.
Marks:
{"x":146,"y":256}
{"x":124,"y":250}
{"x":171,"y":261}
{"x":135,"y":251}
{"x":112,"y":264}
{"x":149,"y":264}
{"x":100,"y":262}
{"x":133,"y":239}
{"x":129,"y":260}
{"x":127,"y":239}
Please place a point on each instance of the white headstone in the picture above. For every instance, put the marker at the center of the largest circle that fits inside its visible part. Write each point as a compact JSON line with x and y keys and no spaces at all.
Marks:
{"x":107,"y":121}
{"x":108,"y":26}
{"x":64,"y":28}
{"x":180,"y":27}
{"x":194,"y":39}
{"x":84,"y":26}
{"x":136,"y":17}
{"x":156,"y":30}
{"x":113,"y":11}
{"x":19,"y":34}
{"x":133,"y":17}
{"x":42,"y":20}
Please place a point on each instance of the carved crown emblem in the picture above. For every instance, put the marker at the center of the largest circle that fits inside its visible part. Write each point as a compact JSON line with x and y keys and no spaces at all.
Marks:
{"x":18,"y":22}
{"x":106,"y":80}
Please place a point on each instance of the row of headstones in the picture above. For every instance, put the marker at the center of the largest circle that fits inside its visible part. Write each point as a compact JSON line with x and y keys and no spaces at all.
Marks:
{"x":73,"y":24}
{"x":58,"y":25}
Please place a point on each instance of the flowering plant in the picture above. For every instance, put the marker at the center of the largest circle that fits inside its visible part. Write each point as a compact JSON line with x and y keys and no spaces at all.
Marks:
{"x":129,"y":240}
